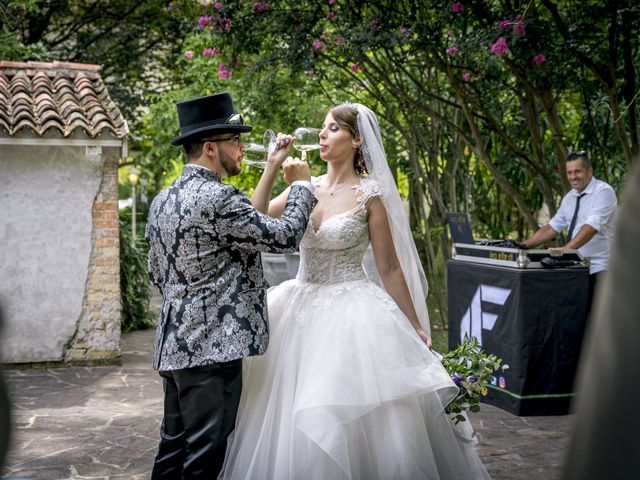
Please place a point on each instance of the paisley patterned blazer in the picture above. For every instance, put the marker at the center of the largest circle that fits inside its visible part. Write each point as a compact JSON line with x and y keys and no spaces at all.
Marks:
{"x":205,"y":240}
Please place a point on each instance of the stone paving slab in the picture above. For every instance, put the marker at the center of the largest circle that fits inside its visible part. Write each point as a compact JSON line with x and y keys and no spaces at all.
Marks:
{"x":103,"y":423}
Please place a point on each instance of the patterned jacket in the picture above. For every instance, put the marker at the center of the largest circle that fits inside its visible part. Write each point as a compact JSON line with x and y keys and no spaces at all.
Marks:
{"x":204,"y":242}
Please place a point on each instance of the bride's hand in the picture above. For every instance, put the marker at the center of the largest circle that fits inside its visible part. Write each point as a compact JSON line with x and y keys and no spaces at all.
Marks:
{"x":284,"y":145}
{"x":424,"y":337}
{"x":296,"y":169}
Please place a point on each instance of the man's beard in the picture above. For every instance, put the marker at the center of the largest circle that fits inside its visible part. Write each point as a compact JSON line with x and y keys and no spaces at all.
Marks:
{"x":230,"y":165}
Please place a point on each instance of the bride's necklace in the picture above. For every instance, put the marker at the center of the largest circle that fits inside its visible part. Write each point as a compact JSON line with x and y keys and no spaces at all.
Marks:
{"x":337,"y":189}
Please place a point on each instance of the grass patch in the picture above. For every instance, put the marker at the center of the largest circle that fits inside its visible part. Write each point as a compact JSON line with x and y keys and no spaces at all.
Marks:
{"x":440,"y":339}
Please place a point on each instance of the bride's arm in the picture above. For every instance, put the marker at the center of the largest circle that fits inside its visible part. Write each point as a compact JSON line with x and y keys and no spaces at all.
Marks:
{"x":388,"y":265}
{"x":276,"y":206}
{"x":262,"y":194}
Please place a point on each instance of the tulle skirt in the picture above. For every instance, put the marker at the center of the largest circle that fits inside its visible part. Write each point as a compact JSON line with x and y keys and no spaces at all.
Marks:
{"x":346,"y":390}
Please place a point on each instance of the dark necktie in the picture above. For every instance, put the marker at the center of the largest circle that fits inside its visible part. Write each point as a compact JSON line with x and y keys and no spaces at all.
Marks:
{"x":575,"y":216}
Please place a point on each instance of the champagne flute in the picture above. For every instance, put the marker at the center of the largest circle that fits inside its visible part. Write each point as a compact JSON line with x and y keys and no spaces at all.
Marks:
{"x":306,"y":139}
{"x":255,"y":154}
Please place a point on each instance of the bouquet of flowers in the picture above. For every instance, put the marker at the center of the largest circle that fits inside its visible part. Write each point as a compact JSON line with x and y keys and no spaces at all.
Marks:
{"x":470,"y":369}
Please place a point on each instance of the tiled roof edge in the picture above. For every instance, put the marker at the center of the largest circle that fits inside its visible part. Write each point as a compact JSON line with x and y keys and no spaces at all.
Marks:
{"x":56,"y":65}
{"x":60,"y":95}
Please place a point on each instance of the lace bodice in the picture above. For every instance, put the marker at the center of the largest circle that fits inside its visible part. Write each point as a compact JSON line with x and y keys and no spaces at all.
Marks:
{"x":334,"y":252}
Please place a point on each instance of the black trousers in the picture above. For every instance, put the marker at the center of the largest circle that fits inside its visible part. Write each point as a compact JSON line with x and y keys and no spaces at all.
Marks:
{"x":200,"y":406}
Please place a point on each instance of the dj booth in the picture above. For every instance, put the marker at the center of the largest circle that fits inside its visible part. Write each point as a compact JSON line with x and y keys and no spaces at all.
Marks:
{"x":531,"y":317}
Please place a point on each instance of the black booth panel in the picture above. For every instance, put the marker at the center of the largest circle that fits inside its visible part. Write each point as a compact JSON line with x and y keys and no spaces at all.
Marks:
{"x":538,"y":330}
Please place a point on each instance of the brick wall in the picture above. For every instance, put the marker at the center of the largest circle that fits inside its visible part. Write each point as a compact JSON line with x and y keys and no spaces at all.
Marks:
{"x":97,"y":338}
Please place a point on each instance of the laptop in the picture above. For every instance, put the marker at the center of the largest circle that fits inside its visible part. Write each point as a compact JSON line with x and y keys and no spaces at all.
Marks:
{"x":460,"y":228}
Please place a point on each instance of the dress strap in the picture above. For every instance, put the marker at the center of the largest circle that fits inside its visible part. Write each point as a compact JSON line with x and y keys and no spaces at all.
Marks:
{"x":366,"y":190}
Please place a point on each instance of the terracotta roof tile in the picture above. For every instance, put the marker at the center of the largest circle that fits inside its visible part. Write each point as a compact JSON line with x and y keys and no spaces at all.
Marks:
{"x":62,"y":96}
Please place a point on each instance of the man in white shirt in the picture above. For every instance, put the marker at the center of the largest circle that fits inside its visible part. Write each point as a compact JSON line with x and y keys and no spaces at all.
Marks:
{"x":588,"y":211}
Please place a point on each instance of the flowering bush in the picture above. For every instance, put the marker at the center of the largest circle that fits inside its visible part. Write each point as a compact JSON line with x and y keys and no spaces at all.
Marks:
{"x":539,"y":59}
{"x":500,"y":47}
{"x":260,"y":7}
{"x":223,"y":72}
{"x":470,"y":369}
{"x":204,"y":20}
{"x":209,"y":52}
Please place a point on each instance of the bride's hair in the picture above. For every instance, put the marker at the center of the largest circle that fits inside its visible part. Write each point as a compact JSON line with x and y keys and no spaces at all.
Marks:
{"x":346,"y":116}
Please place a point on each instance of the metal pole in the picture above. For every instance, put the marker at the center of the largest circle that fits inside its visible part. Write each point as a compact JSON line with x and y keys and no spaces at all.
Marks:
{"x":133,"y":215}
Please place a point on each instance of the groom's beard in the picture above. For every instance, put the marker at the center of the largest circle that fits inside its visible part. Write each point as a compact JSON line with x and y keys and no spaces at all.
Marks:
{"x":231,"y":163}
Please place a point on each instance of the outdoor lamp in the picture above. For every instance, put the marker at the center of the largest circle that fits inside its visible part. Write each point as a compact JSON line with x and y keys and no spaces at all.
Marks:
{"x":133,"y":175}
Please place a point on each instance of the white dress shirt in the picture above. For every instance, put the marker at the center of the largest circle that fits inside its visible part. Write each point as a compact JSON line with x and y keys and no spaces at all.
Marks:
{"x":598,"y":209}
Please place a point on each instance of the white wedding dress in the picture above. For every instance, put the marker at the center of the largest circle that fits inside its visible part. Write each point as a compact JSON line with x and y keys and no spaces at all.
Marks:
{"x":346,"y":390}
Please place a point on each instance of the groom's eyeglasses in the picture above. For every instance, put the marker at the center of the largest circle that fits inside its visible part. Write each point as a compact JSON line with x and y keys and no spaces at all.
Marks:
{"x":236,"y":139}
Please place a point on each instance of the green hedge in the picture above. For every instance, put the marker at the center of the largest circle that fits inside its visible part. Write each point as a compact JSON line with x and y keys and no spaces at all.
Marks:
{"x":135,"y":289}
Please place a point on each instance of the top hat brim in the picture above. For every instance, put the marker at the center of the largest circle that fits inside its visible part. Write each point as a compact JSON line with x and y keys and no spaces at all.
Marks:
{"x":212,"y":129}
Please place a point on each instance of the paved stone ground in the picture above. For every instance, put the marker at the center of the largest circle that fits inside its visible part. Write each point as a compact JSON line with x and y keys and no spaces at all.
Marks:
{"x":103,"y":423}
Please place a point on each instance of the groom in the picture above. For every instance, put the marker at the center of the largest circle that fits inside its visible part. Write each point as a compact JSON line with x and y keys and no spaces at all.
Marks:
{"x":204,"y":242}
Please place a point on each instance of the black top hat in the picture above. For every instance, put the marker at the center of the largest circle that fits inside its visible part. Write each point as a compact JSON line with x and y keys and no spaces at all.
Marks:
{"x":213,"y":114}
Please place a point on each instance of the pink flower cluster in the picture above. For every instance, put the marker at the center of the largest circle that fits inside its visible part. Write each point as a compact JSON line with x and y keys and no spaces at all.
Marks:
{"x":452,"y":51}
{"x":375,"y":22}
{"x":210,"y":52}
{"x":225,"y":25}
{"x":318,"y":45}
{"x":223,"y":72}
{"x":259,"y":7}
{"x":204,"y":21}
{"x":331,"y":15}
{"x":188,"y":54}
{"x":539,"y":59}
{"x":500,"y":47}
{"x":217,"y":5}
{"x":518,"y":29}
{"x":457,"y":7}
{"x":330,"y":2}
{"x":466,"y":77}
{"x":517,"y":26}
{"x":403,"y":30}
{"x":355,"y":67}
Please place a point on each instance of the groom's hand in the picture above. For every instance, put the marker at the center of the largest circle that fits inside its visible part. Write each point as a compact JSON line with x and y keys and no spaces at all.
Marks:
{"x":295,"y":169}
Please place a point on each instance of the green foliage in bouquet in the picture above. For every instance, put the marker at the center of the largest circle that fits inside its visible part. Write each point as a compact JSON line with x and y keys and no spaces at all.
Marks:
{"x":470,"y":369}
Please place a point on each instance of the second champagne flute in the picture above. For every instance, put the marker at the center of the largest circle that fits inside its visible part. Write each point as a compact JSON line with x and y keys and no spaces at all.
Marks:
{"x":306,"y":139}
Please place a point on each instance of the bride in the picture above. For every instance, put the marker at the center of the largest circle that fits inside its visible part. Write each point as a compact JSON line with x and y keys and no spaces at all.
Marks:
{"x":348,"y":388}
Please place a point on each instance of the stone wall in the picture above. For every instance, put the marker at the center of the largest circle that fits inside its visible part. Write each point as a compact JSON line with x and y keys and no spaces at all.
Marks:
{"x":59,"y":254}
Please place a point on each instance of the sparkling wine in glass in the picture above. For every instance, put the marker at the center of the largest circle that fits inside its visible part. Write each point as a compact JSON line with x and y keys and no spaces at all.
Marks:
{"x":255,"y":154}
{"x":306,"y":139}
